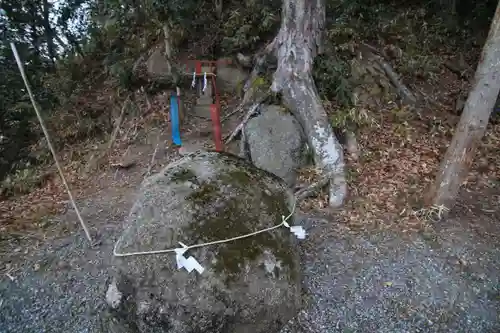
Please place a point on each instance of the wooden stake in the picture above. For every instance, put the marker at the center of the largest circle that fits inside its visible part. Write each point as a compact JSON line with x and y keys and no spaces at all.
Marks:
{"x":49,"y":143}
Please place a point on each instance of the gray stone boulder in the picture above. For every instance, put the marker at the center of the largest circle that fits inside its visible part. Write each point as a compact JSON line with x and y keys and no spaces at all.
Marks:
{"x":274,"y":141}
{"x":251,"y":285}
{"x":230,"y":77}
{"x":158,"y":66}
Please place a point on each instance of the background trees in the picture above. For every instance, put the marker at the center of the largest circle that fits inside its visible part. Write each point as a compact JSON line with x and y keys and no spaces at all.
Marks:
{"x":76,"y":49}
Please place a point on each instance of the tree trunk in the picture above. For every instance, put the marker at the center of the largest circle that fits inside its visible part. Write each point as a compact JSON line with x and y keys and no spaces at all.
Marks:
{"x":49,"y":33}
{"x":299,"y":40}
{"x":472,"y":126}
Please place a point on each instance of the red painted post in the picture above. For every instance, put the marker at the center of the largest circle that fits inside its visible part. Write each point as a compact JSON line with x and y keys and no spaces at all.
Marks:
{"x":214,"y":108}
{"x":181,"y":111}
{"x":214,"y":113}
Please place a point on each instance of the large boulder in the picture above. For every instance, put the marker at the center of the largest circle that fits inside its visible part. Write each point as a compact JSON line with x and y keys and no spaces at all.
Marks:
{"x":231,"y":77}
{"x":158,"y":66}
{"x":251,"y":285}
{"x":274,"y":141}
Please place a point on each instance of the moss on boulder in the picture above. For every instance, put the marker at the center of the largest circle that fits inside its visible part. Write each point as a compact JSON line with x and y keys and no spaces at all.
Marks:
{"x":249,"y":285}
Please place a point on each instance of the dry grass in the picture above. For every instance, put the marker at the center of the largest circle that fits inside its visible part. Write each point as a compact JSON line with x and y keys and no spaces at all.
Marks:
{"x":400,"y":156}
{"x":401,"y":148}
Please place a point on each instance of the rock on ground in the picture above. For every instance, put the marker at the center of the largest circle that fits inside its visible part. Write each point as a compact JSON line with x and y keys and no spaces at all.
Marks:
{"x":446,"y":280}
{"x":249,"y":285}
{"x":230,"y":77}
{"x":157,"y":65}
{"x":274,"y":141}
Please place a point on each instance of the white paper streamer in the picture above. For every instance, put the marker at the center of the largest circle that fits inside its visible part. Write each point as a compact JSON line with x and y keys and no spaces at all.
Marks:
{"x":190,"y":263}
{"x":204,"y":81}
{"x":297,"y":230}
{"x":193,"y":83}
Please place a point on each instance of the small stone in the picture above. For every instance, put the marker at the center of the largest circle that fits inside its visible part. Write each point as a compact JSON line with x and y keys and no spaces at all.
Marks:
{"x":63,"y":264}
{"x":113,"y":295}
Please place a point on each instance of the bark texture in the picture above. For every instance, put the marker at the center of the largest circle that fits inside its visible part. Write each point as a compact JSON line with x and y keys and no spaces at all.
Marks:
{"x":472,"y":126}
{"x":299,"y":40}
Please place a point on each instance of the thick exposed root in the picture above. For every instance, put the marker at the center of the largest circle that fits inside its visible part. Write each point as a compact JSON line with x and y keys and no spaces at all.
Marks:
{"x":297,"y":43}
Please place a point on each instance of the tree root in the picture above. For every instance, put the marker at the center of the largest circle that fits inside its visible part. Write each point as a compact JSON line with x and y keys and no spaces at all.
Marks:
{"x":299,"y":40}
{"x":313,"y":188}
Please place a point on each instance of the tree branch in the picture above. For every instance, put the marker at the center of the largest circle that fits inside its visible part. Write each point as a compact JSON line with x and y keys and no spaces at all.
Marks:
{"x":253,"y":110}
{"x":313,"y":188}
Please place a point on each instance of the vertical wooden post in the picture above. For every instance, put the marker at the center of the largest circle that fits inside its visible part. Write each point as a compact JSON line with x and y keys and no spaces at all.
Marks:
{"x":49,"y":143}
{"x":180,"y":107}
{"x":216,"y":125}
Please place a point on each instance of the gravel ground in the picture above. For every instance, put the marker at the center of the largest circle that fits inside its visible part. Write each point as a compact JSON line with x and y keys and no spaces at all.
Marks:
{"x":442,"y":281}
{"x":60,"y":287}
{"x":446,"y":281}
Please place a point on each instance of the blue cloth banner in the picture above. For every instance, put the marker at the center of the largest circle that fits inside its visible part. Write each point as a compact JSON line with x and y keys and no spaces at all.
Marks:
{"x":174,"y":120}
